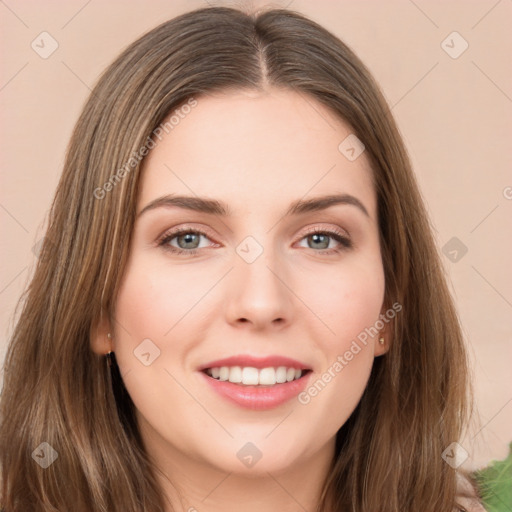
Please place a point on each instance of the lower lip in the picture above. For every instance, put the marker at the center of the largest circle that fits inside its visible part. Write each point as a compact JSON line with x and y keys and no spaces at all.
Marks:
{"x":258,"y":398}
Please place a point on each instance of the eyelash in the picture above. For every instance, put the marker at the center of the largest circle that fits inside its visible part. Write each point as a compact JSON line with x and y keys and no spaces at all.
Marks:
{"x":345,"y":243}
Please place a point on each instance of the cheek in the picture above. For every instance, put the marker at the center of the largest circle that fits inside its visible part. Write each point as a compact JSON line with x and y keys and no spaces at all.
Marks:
{"x":154,"y":298}
{"x":156,"y":302}
{"x":150,"y":303}
{"x":347,"y":299}
{"x":145,"y":312}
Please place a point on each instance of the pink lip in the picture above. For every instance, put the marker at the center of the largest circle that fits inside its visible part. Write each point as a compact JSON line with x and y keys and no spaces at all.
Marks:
{"x":256,"y":362}
{"x":257,"y":398}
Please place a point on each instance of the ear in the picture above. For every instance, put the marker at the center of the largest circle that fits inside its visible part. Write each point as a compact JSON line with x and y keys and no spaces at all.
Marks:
{"x":386,"y":333}
{"x":101,"y":344}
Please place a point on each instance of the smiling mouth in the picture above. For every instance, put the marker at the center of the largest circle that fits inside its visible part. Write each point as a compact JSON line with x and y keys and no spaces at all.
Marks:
{"x":256,"y":377}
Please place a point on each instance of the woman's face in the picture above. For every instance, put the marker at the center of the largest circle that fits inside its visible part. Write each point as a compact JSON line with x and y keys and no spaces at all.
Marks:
{"x":253,"y":284}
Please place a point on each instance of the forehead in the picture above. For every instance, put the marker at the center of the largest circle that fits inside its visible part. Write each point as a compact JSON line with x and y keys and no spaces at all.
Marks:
{"x":255,"y":151}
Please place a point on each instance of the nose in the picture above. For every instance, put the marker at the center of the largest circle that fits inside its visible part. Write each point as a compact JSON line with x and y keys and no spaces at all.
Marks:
{"x":258,"y":294}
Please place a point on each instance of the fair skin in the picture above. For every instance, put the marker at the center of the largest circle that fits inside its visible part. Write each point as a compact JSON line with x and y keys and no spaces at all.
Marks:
{"x":257,"y":153}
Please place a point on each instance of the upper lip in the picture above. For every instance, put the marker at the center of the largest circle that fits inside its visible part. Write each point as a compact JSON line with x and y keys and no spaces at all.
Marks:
{"x":256,"y":362}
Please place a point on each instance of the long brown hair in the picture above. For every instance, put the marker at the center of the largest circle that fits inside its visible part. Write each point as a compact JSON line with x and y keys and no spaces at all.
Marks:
{"x":57,"y":391}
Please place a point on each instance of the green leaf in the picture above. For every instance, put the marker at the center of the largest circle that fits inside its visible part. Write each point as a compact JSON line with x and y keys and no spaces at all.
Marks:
{"x":495,"y":484}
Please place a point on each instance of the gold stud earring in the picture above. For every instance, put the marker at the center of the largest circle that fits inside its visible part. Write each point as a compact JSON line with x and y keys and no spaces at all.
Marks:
{"x":381,"y":341}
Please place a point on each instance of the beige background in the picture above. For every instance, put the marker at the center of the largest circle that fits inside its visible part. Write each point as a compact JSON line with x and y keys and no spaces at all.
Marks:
{"x":455,"y":115}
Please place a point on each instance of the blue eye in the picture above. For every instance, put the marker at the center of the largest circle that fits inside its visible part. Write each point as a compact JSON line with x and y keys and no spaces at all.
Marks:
{"x":192,"y":238}
{"x":319,"y":236}
{"x":188,"y":236}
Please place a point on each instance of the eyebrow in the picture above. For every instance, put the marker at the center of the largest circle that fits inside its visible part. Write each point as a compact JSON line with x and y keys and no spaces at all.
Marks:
{"x":214,"y":207}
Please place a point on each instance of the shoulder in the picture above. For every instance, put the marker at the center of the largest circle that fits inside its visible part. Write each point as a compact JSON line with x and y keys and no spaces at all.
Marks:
{"x":467,"y":497}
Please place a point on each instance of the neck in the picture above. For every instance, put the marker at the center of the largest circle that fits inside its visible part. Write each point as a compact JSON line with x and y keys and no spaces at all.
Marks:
{"x":193,"y":485}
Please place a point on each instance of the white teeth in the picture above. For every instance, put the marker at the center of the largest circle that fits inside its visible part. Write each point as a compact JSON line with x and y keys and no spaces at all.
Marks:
{"x":249,"y":376}
{"x":267,"y":377}
{"x":281,"y":374}
{"x":235,"y":374}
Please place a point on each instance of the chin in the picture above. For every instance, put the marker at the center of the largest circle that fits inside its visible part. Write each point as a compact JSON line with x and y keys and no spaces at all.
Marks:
{"x":256,"y":458}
